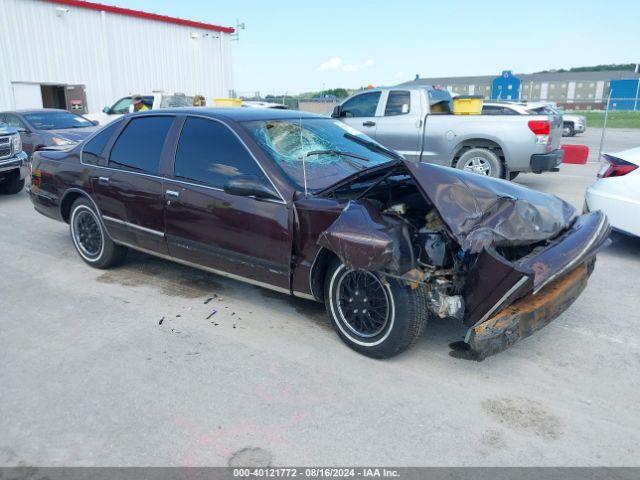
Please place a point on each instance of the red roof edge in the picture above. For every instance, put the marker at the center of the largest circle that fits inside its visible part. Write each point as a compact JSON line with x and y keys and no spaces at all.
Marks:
{"x":141,"y":14}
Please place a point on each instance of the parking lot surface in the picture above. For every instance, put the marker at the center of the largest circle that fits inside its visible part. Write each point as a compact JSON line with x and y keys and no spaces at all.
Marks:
{"x":130,"y":367}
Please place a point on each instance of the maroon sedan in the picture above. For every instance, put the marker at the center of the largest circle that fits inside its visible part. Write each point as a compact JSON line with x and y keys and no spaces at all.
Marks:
{"x":307,"y":206}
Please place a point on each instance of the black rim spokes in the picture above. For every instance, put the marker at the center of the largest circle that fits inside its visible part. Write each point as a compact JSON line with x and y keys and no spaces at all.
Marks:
{"x":88,"y":233}
{"x":363,"y":303}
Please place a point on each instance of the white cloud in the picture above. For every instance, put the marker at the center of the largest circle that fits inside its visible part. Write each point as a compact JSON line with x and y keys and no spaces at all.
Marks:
{"x":356,"y":67}
{"x":332,"y":64}
{"x":400,"y":75}
{"x":336,"y":63}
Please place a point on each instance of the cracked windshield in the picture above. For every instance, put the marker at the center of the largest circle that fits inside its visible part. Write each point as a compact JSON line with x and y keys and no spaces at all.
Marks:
{"x":331,"y":150}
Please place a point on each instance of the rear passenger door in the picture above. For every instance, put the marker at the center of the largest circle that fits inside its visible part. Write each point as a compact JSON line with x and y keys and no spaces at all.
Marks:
{"x":129,"y":189}
{"x":400,"y":126}
{"x":239,"y":235}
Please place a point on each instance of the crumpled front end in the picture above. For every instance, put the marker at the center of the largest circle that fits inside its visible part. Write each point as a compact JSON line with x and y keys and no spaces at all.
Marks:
{"x":502,"y":259}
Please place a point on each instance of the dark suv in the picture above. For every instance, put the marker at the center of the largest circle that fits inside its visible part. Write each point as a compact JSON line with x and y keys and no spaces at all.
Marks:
{"x":306,"y":205}
{"x":13,"y":161}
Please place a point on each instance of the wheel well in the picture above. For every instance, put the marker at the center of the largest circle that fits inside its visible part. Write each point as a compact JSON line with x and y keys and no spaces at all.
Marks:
{"x":323,"y":259}
{"x":477,"y":143}
{"x":67,"y":202}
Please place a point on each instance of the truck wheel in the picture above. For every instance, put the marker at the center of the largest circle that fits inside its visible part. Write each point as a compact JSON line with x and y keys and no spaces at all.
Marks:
{"x":513,"y":175}
{"x":89,"y":237}
{"x":373,"y":316}
{"x":12,"y":185}
{"x":568,"y":130}
{"x":481,"y":161}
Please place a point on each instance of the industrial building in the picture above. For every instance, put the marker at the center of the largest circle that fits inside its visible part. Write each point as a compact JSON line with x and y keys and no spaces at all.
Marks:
{"x":571,"y":90}
{"x":83,"y":56}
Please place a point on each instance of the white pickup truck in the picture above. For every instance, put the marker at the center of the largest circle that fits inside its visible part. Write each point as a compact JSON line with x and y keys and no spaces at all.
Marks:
{"x":417,"y":122}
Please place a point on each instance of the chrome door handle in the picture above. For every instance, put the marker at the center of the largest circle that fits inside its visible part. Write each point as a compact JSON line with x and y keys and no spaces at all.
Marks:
{"x":103,"y":181}
{"x":172,"y":194}
{"x":369,"y":124}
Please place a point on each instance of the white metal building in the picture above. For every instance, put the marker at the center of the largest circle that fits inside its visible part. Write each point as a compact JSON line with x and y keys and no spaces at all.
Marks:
{"x":84,"y":55}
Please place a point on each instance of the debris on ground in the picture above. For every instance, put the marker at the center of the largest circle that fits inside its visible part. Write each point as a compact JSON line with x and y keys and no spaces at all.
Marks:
{"x":161,"y":320}
{"x":208,"y":300}
{"x":213,"y":312}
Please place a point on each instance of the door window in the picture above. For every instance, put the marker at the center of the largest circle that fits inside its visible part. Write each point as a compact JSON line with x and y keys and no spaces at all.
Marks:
{"x":139,"y":146}
{"x":93,"y":148}
{"x":363,"y":105}
{"x":121,"y":107}
{"x":398,"y":103}
{"x":210,"y":154}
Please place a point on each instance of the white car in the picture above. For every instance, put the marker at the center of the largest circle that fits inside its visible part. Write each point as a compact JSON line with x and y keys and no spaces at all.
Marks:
{"x":153,"y":100}
{"x":571,"y":123}
{"x":257,"y":104}
{"x":617,"y":191}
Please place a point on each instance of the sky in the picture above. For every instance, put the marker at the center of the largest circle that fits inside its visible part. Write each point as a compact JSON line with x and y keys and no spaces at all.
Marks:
{"x":297,"y":46}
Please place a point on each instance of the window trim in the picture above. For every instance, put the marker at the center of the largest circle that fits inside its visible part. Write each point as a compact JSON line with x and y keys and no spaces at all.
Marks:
{"x":173,"y":178}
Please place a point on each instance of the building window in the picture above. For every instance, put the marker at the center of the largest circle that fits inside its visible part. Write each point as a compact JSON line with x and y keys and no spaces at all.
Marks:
{"x":592,"y":84}
{"x":552,"y":86}
{"x":579,"y":85}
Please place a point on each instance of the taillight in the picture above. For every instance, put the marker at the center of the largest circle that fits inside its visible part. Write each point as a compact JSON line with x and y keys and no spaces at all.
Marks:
{"x":616,"y":168}
{"x":541,"y":129}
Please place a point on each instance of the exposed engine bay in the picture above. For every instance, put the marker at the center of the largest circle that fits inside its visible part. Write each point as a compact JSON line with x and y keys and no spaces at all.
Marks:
{"x":391,"y":225}
{"x":405,"y":239}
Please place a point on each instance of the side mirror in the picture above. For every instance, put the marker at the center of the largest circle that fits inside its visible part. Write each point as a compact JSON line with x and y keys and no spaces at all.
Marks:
{"x":337,"y":112}
{"x":250,"y":186}
{"x":106,"y":110}
{"x":95,"y":122}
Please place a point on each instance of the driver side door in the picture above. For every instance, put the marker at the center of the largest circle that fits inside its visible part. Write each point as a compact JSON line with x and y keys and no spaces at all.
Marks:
{"x":238,"y":236}
{"x":359,"y":112}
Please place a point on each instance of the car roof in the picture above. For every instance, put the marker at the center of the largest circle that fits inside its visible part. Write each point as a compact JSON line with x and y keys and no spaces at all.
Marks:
{"x":237,"y":114}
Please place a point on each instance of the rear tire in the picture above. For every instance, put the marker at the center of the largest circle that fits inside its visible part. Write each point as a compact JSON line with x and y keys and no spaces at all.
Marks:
{"x":11,"y":185}
{"x":396,"y":318}
{"x":90,"y":238}
{"x":481,"y":161}
{"x":513,"y":175}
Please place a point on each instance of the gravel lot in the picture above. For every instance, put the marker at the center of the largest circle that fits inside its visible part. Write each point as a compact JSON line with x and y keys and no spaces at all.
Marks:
{"x":88,"y":376}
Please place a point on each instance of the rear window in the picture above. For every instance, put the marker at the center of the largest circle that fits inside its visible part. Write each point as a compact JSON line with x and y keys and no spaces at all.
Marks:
{"x":139,"y":146}
{"x":176,"y":101}
{"x":93,"y":148}
{"x":439,"y":101}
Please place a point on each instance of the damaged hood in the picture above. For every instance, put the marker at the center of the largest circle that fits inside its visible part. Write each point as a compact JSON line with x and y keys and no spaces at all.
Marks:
{"x":485,"y":212}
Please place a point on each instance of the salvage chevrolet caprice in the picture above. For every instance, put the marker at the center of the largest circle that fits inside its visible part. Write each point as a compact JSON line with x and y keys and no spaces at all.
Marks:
{"x":308,"y":206}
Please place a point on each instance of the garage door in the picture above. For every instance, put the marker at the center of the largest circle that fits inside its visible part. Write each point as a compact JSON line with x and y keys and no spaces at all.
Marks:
{"x":27,"y":95}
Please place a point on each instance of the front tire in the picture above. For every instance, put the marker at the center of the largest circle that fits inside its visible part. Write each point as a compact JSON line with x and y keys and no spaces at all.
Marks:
{"x":90,"y":239}
{"x":481,"y":161}
{"x":373,"y":315}
{"x":11,"y":185}
{"x":568,"y":130}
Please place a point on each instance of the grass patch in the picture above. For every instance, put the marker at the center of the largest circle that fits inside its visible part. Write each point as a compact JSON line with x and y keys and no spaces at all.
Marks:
{"x":595,"y":119}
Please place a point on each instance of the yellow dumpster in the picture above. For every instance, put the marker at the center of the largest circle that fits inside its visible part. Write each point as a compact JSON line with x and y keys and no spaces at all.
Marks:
{"x":467,"y":105}
{"x":227,"y":102}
